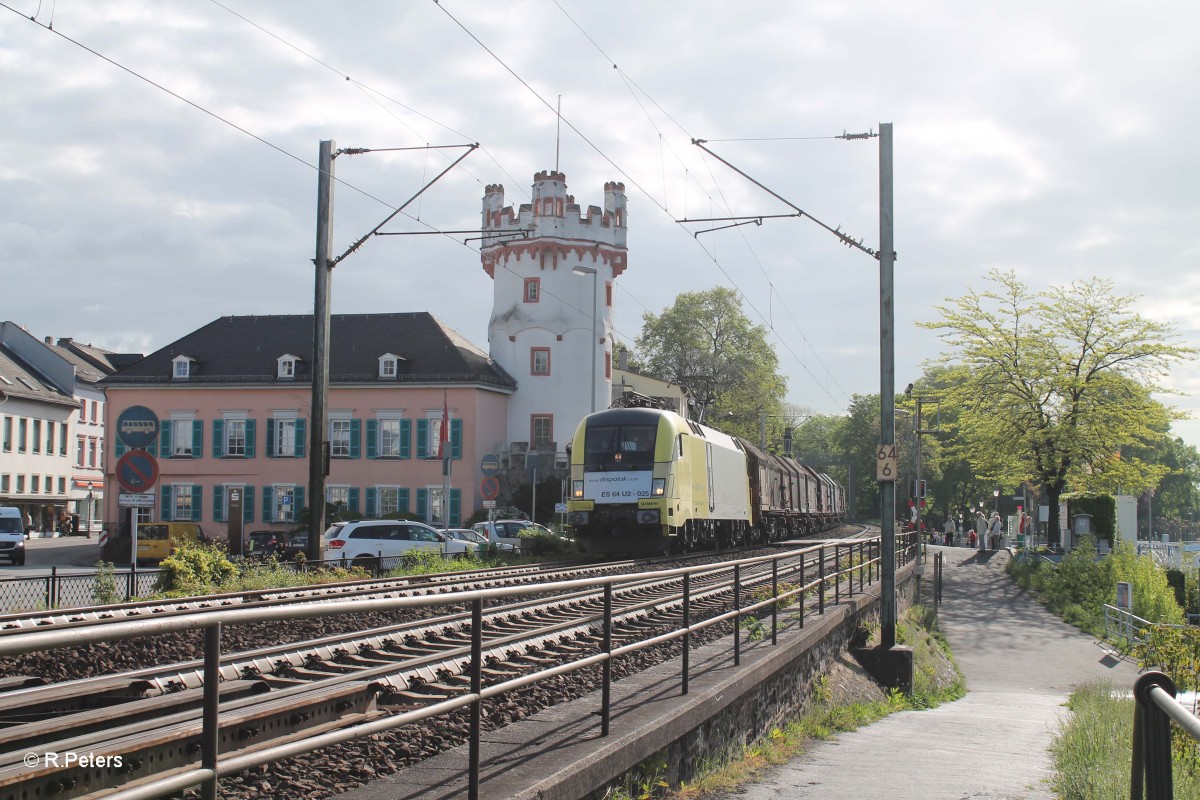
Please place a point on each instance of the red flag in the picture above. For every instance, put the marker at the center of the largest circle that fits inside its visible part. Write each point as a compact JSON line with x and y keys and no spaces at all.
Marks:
{"x":445,"y":432}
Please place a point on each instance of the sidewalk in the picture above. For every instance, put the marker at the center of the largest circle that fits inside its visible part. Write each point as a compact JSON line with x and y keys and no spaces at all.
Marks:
{"x":1021,"y":663}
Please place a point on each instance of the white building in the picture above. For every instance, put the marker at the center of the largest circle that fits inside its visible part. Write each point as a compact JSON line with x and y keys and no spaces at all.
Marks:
{"x":553,"y":270}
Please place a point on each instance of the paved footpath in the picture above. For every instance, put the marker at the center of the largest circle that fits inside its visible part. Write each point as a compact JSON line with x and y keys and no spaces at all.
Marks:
{"x":1020,"y":661}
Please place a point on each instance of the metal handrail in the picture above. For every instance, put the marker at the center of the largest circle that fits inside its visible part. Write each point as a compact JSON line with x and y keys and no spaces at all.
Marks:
{"x":1155,"y":708}
{"x":869,"y":558}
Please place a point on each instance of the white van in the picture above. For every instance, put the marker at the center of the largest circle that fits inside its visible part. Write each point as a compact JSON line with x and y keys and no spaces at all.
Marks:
{"x":12,"y":535}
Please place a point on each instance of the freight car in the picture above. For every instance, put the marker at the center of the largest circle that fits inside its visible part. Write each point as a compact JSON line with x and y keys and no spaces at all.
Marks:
{"x":649,"y":481}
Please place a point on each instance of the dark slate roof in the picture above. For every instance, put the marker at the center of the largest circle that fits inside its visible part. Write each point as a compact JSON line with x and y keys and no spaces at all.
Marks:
{"x":247,"y":349}
{"x":96,"y":360}
{"x":18,"y":379}
{"x":85,"y":370}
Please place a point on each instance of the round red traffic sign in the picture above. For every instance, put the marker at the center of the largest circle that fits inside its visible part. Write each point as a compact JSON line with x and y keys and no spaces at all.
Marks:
{"x":137,"y":471}
{"x":489,"y":488}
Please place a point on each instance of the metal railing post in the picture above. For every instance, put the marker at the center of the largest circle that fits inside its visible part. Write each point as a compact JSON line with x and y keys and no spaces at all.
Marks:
{"x":605,"y":692}
{"x":51,"y":586}
{"x":210,"y":737}
{"x":737,"y":614}
{"x":775,"y":600}
{"x":476,"y":688}
{"x":821,"y":581}
{"x":851,"y":570}
{"x":803,"y":592}
{"x":837,"y":574}
{"x":687,"y":638}
{"x":1150,"y":770}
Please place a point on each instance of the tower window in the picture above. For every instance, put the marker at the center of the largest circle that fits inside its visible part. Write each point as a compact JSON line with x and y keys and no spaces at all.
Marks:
{"x":533,"y":289}
{"x":608,"y":293}
{"x":539,"y":361}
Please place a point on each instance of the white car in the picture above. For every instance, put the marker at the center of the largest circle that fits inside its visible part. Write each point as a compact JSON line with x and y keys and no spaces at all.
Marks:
{"x":12,"y":536}
{"x":362,"y":543}
{"x":469,"y":535}
{"x":507,"y":531}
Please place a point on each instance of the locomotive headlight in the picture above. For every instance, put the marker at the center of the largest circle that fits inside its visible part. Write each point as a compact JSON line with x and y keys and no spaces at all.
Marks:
{"x":577,"y":489}
{"x":659,"y":487}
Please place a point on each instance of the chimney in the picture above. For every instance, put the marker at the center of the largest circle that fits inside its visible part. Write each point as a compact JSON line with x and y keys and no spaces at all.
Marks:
{"x":49,"y":340}
{"x":623,"y":360}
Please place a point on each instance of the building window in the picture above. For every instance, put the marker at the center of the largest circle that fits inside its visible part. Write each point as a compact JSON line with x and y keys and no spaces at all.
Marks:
{"x":49,"y":437}
{"x":62,"y":439}
{"x":4,"y":484}
{"x":285,"y":438}
{"x":235,"y":438}
{"x":20,"y":484}
{"x":182,"y":368}
{"x":541,"y":433}
{"x":287,"y":367}
{"x":434,"y":442}
{"x":533,"y":289}
{"x":339,"y":438}
{"x":8,"y":434}
{"x":608,"y":293}
{"x":83,"y":411}
{"x":37,"y":436}
{"x":95,"y":410}
{"x":388,"y":365}
{"x":338,"y":497}
{"x":79,"y":446}
{"x":608,"y":365}
{"x":47,"y":484}
{"x":181,"y":501}
{"x":93,"y":455}
{"x":285,"y":504}
{"x":389,"y":438}
{"x":62,"y":485}
{"x":181,"y":441}
{"x":389,"y":500}
{"x":22,"y":433}
{"x":539,"y":361}
{"x":435,"y":505}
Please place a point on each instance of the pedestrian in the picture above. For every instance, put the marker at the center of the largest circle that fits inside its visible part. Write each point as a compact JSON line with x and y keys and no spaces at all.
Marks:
{"x":981,"y":529}
{"x":996,"y":529}
{"x":949,"y":531}
{"x":28,"y":522}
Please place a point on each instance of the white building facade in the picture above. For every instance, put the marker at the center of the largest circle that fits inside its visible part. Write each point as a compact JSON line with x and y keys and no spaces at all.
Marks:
{"x":553,"y":270}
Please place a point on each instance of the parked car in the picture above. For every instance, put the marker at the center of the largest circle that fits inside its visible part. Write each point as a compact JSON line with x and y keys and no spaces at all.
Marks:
{"x":157,"y":540}
{"x":363,"y":542}
{"x":267,"y":544}
{"x":507,"y":531}
{"x":469,"y":535}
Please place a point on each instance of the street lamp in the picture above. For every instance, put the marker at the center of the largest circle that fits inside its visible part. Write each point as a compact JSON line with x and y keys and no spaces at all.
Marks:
{"x":582,"y":270}
{"x":996,"y":494}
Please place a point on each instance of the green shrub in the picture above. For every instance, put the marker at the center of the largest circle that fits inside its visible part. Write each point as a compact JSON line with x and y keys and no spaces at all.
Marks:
{"x":104,"y":585}
{"x":1102,"y":507}
{"x":195,"y":568}
{"x":539,"y":543}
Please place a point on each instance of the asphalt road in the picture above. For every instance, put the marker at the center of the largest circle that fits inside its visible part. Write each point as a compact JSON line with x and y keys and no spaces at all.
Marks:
{"x":71,"y":554}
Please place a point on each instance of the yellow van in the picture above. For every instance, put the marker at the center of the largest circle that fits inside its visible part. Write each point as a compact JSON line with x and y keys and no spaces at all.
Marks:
{"x":156,"y":540}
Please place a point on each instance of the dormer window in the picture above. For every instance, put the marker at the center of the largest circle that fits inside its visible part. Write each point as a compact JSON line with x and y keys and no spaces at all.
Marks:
{"x":181,"y":368}
{"x":388,"y":365}
{"x":287,"y":367}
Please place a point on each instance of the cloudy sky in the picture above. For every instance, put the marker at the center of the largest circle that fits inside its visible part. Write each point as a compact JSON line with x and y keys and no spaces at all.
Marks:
{"x":157,"y":159}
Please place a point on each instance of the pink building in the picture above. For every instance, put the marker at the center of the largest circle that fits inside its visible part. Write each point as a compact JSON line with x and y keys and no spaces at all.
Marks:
{"x":234,"y":398}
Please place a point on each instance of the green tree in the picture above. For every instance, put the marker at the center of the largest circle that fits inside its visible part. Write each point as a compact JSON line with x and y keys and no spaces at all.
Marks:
{"x":1051,"y":384}
{"x":706,"y":343}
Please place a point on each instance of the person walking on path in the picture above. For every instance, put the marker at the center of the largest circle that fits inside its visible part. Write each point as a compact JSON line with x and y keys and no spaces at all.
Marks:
{"x":996,"y":530}
{"x":949,"y":530}
{"x":981,"y":530}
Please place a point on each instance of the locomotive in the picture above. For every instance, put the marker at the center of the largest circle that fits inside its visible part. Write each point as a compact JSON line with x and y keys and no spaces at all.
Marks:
{"x":648,"y":481}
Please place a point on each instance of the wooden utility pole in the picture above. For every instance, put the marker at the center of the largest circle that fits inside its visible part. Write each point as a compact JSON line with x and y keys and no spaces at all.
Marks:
{"x":318,"y":452}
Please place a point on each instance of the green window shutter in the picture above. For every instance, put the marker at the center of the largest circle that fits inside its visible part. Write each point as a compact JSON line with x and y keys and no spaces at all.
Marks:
{"x":247,"y":504}
{"x":165,"y":507}
{"x":300,"y":438}
{"x":268,"y":503}
{"x":270,"y":438}
{"x":422,"y":438}
{"x":297,"y":502}
{"x":455,"y":507}
{"x":355,"y":437}
{"x":197,"y":438}
{"x":249,"y":438}
{"x":197,"y":499}
{"x":406,"y":438}
{"x":372,"y":437}
{"x":218,"y":438}
{"x":371,"y":502}
{"x":402,"y":500}
{"x":164,"y":439}
{"x":218,"y":503}
{"x":352,"y":500}
{"x":422,"y":502}
{"x":456,"y":438}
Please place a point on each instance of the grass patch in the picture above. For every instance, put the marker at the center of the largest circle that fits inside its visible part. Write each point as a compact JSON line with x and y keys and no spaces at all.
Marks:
{"x":1093,"y":748}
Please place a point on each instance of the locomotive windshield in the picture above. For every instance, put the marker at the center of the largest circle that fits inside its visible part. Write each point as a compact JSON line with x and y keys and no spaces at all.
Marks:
{"x":616,"y":447}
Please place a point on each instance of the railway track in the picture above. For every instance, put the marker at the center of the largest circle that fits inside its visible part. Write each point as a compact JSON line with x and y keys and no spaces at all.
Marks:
{"x":271,"y":696}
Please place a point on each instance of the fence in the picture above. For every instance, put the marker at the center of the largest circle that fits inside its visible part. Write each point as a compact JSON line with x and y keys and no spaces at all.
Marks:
{"x":859,"y":560}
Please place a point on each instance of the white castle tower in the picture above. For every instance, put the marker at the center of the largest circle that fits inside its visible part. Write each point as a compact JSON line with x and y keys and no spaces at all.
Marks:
{"x":545,"y":331}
